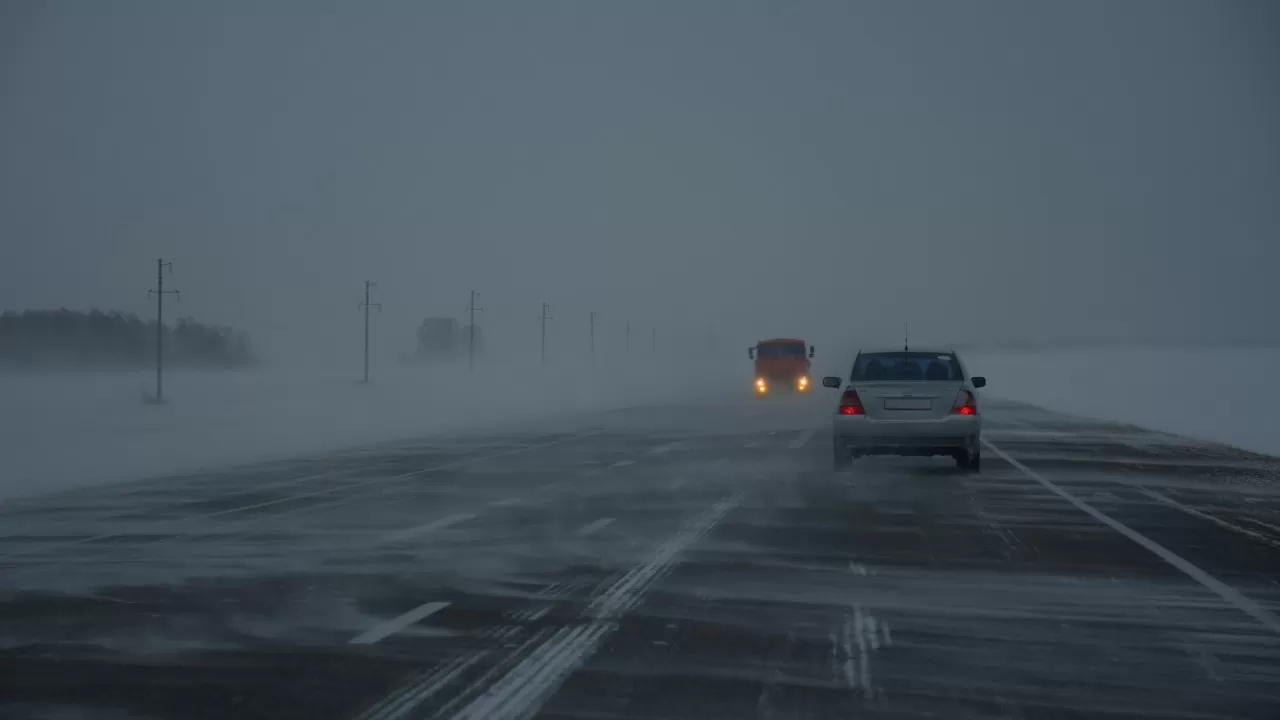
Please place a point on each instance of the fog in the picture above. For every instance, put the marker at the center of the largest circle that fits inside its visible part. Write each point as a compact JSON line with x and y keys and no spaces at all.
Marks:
{"x":717,"y":171}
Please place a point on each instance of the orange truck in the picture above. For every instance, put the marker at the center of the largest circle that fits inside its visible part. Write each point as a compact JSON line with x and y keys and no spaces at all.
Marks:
{"x":781,"y":364}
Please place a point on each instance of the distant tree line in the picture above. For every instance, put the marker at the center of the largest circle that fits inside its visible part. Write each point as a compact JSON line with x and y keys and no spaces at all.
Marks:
{"x":70,"y":339}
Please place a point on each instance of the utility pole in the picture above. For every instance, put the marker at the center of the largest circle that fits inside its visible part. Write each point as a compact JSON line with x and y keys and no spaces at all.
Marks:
{"x":160,"y":292}
{"x":545,"y":318}
{"x":366,"y":305}
{"x":593,"y":332}
{"x":471,"y":332}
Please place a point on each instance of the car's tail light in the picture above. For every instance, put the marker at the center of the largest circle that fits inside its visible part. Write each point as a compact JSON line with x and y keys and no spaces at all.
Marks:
{"x":965,"y":404}
{"x":850,"y":403}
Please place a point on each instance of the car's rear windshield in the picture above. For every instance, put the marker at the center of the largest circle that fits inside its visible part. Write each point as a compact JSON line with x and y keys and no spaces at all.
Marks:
{"x":780,"y":349}
{"x":909,"y":366}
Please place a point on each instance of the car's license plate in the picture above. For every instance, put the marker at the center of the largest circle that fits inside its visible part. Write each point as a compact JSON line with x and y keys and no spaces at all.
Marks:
{"x":908,"y":404}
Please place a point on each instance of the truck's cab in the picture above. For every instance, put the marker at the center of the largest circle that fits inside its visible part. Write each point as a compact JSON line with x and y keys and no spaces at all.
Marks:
{"x":781,"y":364}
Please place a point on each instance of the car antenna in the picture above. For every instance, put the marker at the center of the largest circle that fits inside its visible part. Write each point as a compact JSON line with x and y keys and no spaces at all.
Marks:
{"x":904,"y":337}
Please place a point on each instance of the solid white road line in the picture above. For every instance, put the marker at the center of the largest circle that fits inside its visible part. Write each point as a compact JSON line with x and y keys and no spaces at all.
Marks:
{"x":1030,"y":433}
{"x":864,"y":661}
{"x":432,"y":526}
{"x":624,"y":463}
{"x":663,"y":449}
{"x":396,"y":624}
{"x":1206,"y":516}
{"x":849,"y":666}
{"x":800,"y":441}
{"x":423,"y":686}
{"x":596,"y":526}
{"x":1226,"y":592}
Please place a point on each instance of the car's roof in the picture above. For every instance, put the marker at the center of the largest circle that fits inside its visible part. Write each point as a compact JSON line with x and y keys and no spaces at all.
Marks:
{"x":927,"y":349}
{"x":781,"y":340}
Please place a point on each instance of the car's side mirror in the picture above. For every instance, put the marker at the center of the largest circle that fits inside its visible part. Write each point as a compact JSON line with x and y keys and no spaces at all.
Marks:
{"x":810,"y":351}
{"x":831,"y":382}
{"x":751,"y":353}
{"x":978,"y":381}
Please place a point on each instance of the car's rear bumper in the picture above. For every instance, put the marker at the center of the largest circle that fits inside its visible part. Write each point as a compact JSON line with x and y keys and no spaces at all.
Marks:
{"x":940,"y":436}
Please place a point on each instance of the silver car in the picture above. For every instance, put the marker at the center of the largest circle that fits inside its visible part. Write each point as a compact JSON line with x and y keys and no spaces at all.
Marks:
{"x":908,"y":402}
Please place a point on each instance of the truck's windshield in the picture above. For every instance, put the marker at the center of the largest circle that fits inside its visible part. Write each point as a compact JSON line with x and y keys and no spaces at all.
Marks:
{"x":778,"y":350}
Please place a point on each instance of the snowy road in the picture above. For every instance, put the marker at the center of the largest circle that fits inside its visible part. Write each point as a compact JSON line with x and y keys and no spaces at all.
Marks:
{"x":698,"y":561}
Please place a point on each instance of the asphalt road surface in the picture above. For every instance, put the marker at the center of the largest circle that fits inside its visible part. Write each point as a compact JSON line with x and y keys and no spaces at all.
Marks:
{"x":697,"y":561}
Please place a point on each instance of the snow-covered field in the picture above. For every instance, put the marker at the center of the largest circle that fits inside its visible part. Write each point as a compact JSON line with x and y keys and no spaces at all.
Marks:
{"x":59,"y":431}
{"x":1227,"y":395}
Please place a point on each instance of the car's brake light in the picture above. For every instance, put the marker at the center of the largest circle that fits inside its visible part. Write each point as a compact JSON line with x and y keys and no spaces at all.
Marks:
{"x":965,"y":404}
{"x":850,"y":403}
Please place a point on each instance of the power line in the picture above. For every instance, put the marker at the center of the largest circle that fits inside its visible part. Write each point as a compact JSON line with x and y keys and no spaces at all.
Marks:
{"x":471,"y":332}
{"x":545,"y":318}
{"x":160,"y":292}
{"x":366,"y":305}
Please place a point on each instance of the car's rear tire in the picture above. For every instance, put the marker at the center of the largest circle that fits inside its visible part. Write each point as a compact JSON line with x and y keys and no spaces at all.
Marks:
{"x":841,"y":458}
{"x":968,"y":460}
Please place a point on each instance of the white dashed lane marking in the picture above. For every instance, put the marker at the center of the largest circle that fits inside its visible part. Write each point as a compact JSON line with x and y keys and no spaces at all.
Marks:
{"x":594,"y":527}
{"x":398,"y":623}
{"x":430,"y":527}
{"x":800,"y":441}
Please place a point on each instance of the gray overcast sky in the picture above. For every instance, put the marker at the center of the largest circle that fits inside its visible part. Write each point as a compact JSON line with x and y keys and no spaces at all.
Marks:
{"x":982,"y":169}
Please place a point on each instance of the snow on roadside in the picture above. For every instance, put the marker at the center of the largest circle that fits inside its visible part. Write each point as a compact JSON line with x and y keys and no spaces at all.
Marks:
{"x":1226,"y":395}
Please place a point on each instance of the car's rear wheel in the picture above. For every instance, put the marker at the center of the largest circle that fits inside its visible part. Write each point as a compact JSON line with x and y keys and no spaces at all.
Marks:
{"x":841,"y":458}
{"x":968,"y":460}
